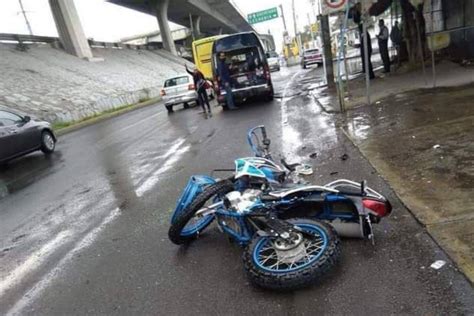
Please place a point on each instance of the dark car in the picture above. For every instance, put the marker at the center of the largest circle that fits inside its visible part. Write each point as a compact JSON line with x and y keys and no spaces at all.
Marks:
{"x":311,"y":56}
{"x":21,"y":135}
{"x":249,"y":69}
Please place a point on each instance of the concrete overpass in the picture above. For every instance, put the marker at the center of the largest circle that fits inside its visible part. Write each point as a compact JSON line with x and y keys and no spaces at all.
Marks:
{"x":207,"y":17}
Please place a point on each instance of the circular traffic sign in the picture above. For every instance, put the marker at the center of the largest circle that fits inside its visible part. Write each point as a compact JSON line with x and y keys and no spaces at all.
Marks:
{"x":335,"y":4}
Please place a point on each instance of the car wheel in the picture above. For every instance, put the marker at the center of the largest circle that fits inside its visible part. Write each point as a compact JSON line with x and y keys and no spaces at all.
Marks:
{"x":270,"y":96}
{"x":48,"y":143}
{"x":186,"y":105}
{"x":304,"y":66}
{"x":169,"y":108}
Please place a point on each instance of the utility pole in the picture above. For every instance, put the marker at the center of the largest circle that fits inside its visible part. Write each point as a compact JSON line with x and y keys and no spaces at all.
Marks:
{"x":326,"y":38}
{"x":285,"y":34}
{"x":283,"y":17}
{"x":26,"y":18}
{"x":294,"y":17}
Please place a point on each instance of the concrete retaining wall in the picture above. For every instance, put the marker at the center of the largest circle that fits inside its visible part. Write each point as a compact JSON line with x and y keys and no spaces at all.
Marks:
{"x":58,"y":87}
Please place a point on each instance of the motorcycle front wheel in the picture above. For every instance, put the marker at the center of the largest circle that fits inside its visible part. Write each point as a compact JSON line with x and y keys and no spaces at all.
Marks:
{"x":187,"y":227}
{"x":272,"y":265}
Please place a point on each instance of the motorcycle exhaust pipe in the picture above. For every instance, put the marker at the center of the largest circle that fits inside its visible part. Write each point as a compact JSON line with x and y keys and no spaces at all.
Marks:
{"x":348,"y":230}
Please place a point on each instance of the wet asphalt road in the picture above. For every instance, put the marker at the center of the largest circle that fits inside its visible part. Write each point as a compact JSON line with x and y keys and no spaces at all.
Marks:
{"x":85,"y":231}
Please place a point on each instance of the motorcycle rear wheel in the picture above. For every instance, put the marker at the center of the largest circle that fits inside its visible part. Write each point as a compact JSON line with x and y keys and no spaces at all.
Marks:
{"x":184,"y":229}
{"x":272,"y":269}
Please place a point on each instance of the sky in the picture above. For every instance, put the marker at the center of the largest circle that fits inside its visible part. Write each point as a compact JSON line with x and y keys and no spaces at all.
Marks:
{"x":108,"y":22}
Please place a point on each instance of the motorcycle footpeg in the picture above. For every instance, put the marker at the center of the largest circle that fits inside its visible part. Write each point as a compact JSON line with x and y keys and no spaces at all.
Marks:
{"x":263,"y":233}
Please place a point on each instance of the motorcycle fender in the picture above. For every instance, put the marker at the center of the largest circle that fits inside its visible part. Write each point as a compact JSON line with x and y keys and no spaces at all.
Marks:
{"x":193,"y":188}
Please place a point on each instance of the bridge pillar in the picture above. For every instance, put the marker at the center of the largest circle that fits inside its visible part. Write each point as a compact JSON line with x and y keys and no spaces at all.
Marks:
{"x":196,"y":27}
{"x":70,"y":29}
{"x":162,"y":16}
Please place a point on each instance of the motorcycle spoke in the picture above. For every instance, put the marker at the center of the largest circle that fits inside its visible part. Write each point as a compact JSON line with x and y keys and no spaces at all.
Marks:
{"x":268,"y":256}
{"x":272,"y":256}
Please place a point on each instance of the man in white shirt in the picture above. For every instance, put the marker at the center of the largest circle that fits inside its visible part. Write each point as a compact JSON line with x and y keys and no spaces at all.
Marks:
{"x":383,"y":45}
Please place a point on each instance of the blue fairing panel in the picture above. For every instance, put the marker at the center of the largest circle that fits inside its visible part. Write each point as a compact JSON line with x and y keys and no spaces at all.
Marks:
{"x":195,"y":186}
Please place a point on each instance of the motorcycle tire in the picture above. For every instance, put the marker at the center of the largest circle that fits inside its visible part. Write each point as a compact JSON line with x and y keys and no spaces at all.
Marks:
{"x":178,"y":233}
{"x":308,"y":269}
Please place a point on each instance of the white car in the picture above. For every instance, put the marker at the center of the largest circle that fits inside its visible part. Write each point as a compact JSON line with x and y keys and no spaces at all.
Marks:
{"x":180,"y":90}
{"x":273,"y":61}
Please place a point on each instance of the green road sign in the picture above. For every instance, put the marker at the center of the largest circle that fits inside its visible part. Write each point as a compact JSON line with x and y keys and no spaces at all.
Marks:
{"x":261,"y":16}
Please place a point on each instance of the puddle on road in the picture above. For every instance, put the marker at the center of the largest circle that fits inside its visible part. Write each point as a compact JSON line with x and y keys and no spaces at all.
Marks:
{"x":305,"y":128}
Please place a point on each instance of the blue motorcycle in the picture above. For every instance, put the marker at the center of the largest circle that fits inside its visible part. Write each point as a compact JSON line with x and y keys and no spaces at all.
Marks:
{"x":288,"y":228}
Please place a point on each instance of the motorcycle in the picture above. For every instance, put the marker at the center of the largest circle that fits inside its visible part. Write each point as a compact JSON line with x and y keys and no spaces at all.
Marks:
{"x":289,"y":229}
{"x":350,"y":207}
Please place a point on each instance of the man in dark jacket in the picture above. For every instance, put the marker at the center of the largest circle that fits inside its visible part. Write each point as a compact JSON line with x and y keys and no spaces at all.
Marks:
{"x":369,"y":50}
{"x":200,"y":85}
{"x":396,"y":38}
{"x":224,"y":77}
{"x":357,"y":18}
{"x":383,"y":45}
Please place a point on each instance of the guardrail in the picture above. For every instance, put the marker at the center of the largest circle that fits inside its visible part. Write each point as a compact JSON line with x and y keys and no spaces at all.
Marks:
{"x":24,"y":40}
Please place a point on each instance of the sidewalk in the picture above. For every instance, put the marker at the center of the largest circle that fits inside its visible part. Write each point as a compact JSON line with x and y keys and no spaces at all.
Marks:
{"x":422,"y":143}
{"x":448,"y":74}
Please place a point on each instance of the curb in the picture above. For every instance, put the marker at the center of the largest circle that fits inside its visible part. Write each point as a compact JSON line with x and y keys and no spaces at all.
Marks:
{"x":106,"y":116}
{"x":323,"y":107}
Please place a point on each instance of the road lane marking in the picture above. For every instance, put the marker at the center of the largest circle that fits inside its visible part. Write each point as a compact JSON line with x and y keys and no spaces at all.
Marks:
{"x":33,"y":262}
{"x":32,"y":294}
{"x":173,"y":155}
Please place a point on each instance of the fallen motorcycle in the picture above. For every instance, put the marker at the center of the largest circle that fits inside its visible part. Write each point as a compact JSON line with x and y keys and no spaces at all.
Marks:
{"x":277,"y":219}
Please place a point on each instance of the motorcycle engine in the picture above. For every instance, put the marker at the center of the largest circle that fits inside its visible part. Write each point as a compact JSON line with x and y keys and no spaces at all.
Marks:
{"x":243,"y":202}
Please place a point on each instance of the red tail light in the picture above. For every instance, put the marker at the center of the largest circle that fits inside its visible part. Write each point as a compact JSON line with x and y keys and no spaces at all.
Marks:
{"x":162,"y":92}
{"x":380,"y":208}
{"x":266,"y":71}
{"x":191,"y":86}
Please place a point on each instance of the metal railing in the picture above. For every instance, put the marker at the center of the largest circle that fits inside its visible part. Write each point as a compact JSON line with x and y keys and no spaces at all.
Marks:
{"x":24,"y":40}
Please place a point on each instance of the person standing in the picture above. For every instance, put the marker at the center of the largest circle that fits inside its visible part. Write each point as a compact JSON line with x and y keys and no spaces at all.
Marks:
{"x":383,"y":45}
{"x":369,"y":50}
{"x":223,"y":72}
{"x":357,"y":18}
{"x":200,"y":85}
{"x":396,"y":38}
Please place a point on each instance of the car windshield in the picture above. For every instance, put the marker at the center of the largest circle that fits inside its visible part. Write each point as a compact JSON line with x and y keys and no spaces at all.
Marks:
{"x":272,"y":55}
{"x":311,"y":51}
{"x":176,"y":81}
